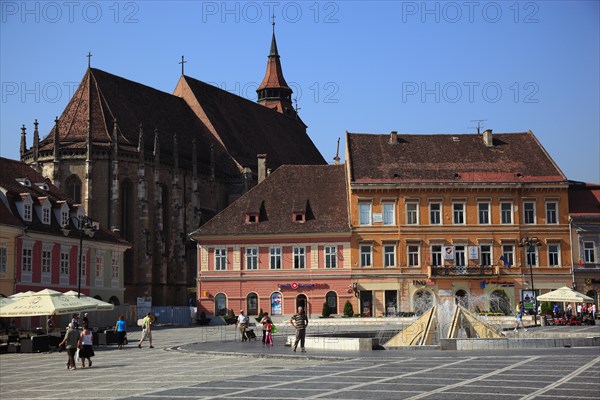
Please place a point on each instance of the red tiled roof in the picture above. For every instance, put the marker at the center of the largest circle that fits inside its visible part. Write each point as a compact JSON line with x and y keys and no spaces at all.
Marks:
{"x":317,"y":190}
{"x":514,"y":157}
{"x":13,"y":170}
{"x":132,"y":104}
{"x":246,"y":128}
{"x":584,"y":199}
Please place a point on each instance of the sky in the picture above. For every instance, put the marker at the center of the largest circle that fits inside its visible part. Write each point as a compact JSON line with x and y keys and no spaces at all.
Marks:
{"x":360,"y":66}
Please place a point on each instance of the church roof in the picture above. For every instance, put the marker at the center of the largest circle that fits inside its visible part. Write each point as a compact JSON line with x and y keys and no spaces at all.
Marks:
{"x":584,"y":199}
{"x":247,"y":128}
{"x":316,"y":191}
{"x":391,"y":158}
{"x":103,"y":97}
{"x":274,"y":74}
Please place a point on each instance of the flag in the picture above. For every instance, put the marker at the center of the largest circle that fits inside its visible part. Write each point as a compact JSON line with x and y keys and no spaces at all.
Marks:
{"x":580,"y":262}
{"x":505,"y":262}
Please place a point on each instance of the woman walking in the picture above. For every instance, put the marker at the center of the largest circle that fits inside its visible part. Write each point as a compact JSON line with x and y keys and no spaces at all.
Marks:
{"x":70,"y":342}
{"x":85,"y":346}
{"x":120,"y":328}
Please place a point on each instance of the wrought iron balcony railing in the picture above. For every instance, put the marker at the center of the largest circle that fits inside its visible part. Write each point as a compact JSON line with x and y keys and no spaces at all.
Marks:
{"x":471,"y":270}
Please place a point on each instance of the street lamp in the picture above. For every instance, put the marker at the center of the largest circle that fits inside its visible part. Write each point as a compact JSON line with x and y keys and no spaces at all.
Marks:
{"x":530,"y":243}
{"x":84,"y":227}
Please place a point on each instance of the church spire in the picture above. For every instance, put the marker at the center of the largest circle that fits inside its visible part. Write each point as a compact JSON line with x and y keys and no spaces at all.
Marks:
{"x":274,"y":91}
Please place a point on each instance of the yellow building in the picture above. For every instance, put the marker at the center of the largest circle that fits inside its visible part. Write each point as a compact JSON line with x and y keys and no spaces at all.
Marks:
{"x":10,"y":229}
{"x":447,"y":217}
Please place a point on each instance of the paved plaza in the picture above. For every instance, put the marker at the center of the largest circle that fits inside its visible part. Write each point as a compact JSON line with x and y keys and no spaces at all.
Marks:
{"x":208,"y":363}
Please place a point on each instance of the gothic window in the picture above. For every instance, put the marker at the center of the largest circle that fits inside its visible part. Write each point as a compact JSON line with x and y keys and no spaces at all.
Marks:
{"x":74,"y":188}
{"x":127,"y":201}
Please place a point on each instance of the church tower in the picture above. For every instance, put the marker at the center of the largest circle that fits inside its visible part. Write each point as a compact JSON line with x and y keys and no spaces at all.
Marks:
{"x":274,"y":91}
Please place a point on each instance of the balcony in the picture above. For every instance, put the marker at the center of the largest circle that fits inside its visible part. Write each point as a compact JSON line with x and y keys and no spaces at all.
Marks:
{"x":471,"y":270}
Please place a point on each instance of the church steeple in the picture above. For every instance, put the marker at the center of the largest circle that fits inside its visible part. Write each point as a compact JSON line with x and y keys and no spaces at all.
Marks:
{"x":274,"y":91}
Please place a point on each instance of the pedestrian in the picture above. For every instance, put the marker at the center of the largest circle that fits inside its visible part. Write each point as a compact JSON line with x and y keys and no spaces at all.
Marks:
{"x":555,"y":311}
{"x":264,"y":322}
{"x":242,"y":324}
{"x":593,"y":310}
{"x":570,"y":312}
{"x":85,"y":320}
{"x":50,"y":323}
{"x":75,"y":321}
{"x":85,"y":346}
{"x":121,"y":330}
{"x":147,"y":330}
{"x":520,"y":313}
{"x":578,"y":308}
{"x":269,"y":334}
{"x":300,"y":322}
{"x":70,"y":342}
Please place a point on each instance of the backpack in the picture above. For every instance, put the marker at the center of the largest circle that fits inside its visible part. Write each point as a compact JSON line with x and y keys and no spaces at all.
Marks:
{"x":517,"y":309}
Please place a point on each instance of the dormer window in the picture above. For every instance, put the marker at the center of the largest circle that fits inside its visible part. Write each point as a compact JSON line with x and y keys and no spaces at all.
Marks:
{"x":46,"y":215}
{"x":25,"y":207}
{"x":252,"y":218}
{"x":43,"y":185}
{"x":27,"y":212}
{"x":299,"y":217}
{"x":24,"y":181}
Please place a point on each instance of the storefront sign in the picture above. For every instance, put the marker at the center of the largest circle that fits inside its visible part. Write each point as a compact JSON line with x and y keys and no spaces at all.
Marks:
{"x":302,"y":286}
{"x":423,"y":283}
{"x":377,"y":217}
{"x":448,"y":253}
{"x":276,"y":304}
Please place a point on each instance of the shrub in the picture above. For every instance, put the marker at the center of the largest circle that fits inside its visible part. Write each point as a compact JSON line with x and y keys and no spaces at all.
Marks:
{"x":260,"y":315}
{"x":326,"y":312}
{"x":348,"y":309}
{"x":546,"y":307}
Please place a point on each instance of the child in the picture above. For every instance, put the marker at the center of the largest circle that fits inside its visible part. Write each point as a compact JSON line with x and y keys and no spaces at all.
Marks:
{"x":269,"y":334}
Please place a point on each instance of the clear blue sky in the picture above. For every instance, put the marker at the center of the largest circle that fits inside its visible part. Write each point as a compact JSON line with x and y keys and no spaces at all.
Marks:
{"x":360,"y":66}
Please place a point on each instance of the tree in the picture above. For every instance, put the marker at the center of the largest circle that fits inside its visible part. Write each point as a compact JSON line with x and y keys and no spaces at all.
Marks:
{"x":348,"y":309}
{"x":326,"y":310}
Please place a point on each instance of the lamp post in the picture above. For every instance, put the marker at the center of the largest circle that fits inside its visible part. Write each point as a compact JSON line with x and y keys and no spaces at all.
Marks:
{"x":530,"y":243}
{"x":83,"y":226}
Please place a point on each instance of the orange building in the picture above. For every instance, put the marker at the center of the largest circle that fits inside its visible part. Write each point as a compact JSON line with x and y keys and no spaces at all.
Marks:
{"x":446,"y":216}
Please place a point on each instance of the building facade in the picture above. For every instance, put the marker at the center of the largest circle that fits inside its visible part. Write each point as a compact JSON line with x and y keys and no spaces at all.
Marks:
{"x":284,"y":244}
{"x":443,"y":217}
{"x":155,"y":166}
{"x":584,"y":207}
{"x":41,"y":242}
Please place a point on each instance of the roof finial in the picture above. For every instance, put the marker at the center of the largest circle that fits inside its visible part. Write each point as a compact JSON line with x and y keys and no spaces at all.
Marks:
{"x":273,"y":22}
{"x":89,"y":57}
{"x":182,"y":62}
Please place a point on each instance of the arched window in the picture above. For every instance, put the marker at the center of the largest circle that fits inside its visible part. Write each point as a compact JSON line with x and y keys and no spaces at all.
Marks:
{"x":220,"y":304}
{"x":499,"y":302}
{"x":331,"y":299}
{"x":462,"y":297}
{"x":302,"y":301}
{"x":73,"y":188}
{"x":252,"y":304}
{"x":114,"y":300}
{"x":422,"y":301}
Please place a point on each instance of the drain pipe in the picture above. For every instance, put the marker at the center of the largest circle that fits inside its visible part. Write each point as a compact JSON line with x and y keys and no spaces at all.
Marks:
{"x":573,"y":286}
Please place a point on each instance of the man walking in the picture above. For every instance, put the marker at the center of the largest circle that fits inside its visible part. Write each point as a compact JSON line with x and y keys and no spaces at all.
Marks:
{"x":242,"y":323}
{"x":300,"y":322}
{"x":147,"y":330}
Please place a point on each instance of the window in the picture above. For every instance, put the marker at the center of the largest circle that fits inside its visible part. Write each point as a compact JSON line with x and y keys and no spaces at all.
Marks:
{"x":529,"y":213}
{"x":389,"y":213}
{"x":552,"y":213}
{"x":365,"y":255}
{"x":83,"y":262}
{"x":46,"y":259}
{"x":27,"y":212}
{"x":531,"y":252}
{"x":484,"y":213}
{"x":252,"y":218}
{"x":460,"y":258}
{"x":3,"y":258}
{"x":252,"y":304}
{"x":64,"y":262}
{"x":46,"y":215}
{"x":99,"y":263}
{"x":389,"y":255}
{"x":298,"y":217}
{"x":485,"y":251}
{"x":507,"y":253}
{"x":299,"y":257}
{"x":458,"y":213}
{"x":330,"y":256}
{"x":251,"y":258}
{"x":436,"y":255}
{"x":115,"y":265}
{"x":27,"y":256}
{"x":435,"y":213}
{"x":275,"y":258}
{"x":589,"y":252}
{"x":412,"y":251}
{"x":331,"y":299}
{"x":554,"y":255}
{"x":220,"y":259}
{"x":64,"y":218}
{"x":412,"y":213}
{"x":364,"y":214}
{"x":506,"y":213}
{"x":74,"y":188}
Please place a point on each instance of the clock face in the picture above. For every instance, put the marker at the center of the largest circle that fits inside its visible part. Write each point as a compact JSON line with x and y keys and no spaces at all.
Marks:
{"x":588,"y":281}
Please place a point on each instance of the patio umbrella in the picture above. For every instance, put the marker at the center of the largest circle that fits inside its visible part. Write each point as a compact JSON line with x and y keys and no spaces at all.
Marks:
{"x":5,"y":300}
{"x":21,"y":294}
{"x":44,"y":302}
{"x":97,"y":305}
{"x":565,"y":295}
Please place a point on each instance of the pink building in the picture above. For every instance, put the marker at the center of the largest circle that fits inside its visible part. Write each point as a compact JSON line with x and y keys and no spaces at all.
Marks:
{"x":284,"y":244}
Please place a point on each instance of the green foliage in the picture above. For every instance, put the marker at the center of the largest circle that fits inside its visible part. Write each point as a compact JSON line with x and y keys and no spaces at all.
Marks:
{"x":546,"y":307}
{"x":348,"y":309}
{"x":326,"y":312}
{"x":260,"y":315}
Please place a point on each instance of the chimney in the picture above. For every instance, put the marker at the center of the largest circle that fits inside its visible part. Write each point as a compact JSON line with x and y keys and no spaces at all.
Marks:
{"x":393,"y":137}
{"x":262,"y":167}
{"x":487,"y":138}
